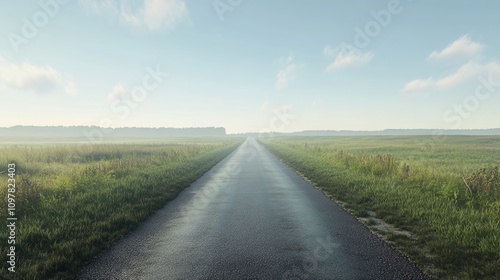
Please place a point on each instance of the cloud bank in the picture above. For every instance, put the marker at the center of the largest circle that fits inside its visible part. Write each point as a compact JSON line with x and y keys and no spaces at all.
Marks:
{"x":38,"y":79}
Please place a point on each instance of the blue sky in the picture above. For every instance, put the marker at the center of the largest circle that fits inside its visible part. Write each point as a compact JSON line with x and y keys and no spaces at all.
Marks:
{"x":251,"y":65}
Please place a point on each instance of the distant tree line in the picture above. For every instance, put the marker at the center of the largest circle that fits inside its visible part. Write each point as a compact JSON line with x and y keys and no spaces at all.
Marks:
{"x":386,"y":132}
{"x":139,"y":132}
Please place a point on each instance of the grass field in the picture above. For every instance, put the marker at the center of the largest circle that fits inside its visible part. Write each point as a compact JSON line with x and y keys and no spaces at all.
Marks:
{"x":439,"y":205}
{"x":73,"y":201}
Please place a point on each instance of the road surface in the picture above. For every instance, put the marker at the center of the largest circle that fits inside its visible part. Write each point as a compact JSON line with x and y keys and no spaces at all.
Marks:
{"x":251,"y":217}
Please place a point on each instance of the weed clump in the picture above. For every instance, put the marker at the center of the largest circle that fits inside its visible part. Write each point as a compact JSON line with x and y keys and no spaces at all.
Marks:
{"x":484,"y":183}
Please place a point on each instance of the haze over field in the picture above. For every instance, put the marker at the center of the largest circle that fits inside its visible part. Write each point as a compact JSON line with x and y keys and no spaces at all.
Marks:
{"x":251,"y":65}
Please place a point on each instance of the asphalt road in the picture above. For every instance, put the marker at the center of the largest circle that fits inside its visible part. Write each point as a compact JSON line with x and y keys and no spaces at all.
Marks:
{"x":251,"y":217}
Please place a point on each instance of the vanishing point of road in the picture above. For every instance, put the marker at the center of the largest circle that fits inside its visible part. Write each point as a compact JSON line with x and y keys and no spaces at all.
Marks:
{"x":251,"y":217}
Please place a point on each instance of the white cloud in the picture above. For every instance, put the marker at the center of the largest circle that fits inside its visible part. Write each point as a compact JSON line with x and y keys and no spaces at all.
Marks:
{"x":463,"y":47}
{"x":151,"y":14}
{"x":288,"y":71}
{"x":117,"y":92}
{"x":345,"y":58}
{"x":463,"y":74}
{"x":34,"y":78}
{"x":467,"y":72}
{"x":418,"y":85}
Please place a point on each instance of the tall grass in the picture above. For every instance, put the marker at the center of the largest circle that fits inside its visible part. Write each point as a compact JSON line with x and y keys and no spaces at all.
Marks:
{"x":76,"y":201}
{"x":453,"y":209}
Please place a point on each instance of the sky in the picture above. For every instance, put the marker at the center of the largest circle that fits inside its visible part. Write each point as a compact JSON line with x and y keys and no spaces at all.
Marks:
{"x":251,"y":66}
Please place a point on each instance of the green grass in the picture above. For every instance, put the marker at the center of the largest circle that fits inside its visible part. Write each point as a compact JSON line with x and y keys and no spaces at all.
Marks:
{"x":74,"y":201}
{"x":421,"y":191}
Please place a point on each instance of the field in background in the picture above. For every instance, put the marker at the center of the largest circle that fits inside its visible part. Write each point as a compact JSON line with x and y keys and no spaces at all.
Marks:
{"x":439,"y":203}
{"x":74,"y":200}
